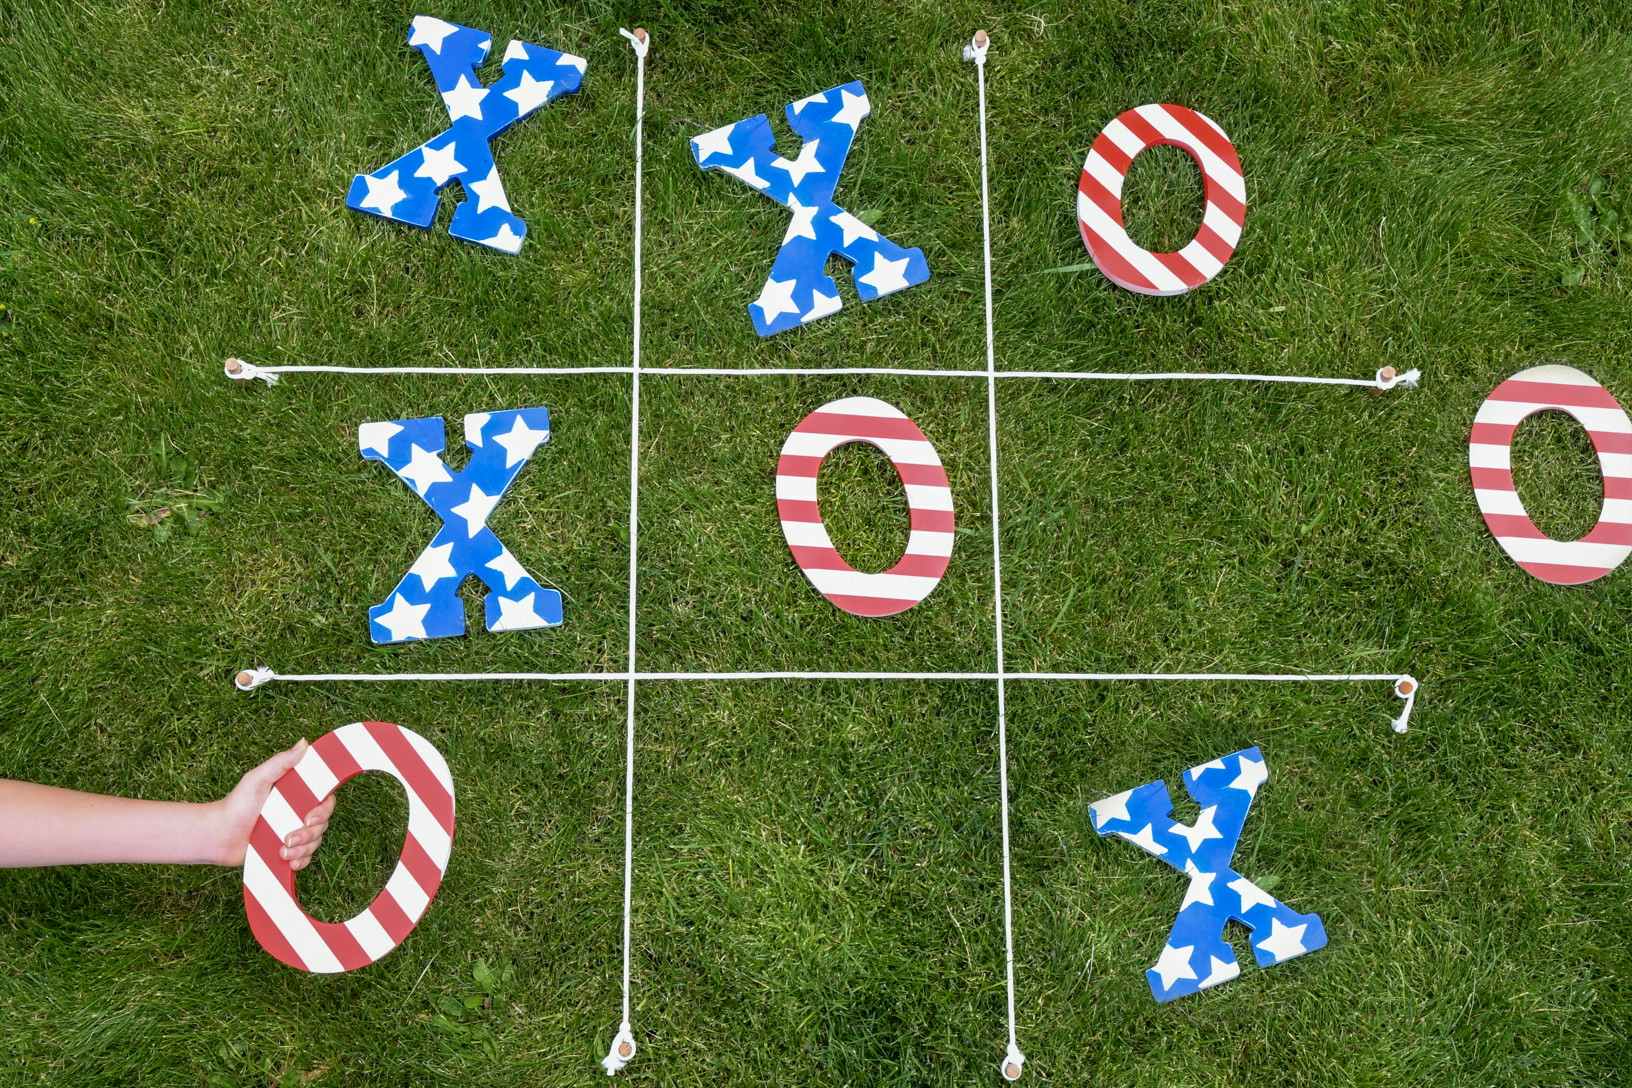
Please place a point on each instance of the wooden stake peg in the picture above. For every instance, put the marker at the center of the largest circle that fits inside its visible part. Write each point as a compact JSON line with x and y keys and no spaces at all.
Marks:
{"x":640,"y":32}
{"x":982,"y":39}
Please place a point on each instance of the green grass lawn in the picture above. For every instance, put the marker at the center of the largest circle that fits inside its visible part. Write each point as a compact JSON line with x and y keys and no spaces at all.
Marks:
{"x":817,"y":883}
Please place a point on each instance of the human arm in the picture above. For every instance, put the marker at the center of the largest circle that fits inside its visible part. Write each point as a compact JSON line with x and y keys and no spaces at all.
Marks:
{"x":45,"y":825}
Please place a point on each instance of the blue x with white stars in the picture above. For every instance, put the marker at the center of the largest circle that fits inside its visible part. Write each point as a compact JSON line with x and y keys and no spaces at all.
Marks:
{"x":798,"y":289}
{"x":404,"y":190}
{"x":1196,"y":955}
{"x":426,"y":602}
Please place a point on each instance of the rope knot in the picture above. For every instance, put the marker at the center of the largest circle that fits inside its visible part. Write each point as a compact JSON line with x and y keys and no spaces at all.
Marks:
{"x":1014,"y":1063}
{"x":976,"y":49}
{"x":639,"y":40}
{"x":1406,"y":687}
{"x":622,"y":1050}
{"x":240,"y":371}
{"x":1389,"y":378}
{"x":250,"y":679}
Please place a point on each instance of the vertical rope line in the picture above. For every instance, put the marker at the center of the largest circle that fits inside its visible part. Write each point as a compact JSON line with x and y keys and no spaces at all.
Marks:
{"x":1014,"y":1056}
{"x":634,"y":532}
{"x":623,"y":1045}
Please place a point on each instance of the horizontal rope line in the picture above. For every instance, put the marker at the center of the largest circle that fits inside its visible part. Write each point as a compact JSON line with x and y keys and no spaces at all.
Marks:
{"x":263,"y":676}
{"x":248,"y":371}
{"x":1405,"y":685}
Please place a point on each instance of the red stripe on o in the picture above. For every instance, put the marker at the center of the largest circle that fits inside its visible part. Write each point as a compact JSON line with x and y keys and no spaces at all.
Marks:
{"x":1609,"y":532}
{"x":265,"y":842}
{"x":798,"y":510}
{"x":1493,"y":479}
{"x":1117,"y":268}
{"x":805,"y":467}
{"x":1514,"y":525}
{"x":1118,"y":159}
{"x":343,"y":945}
{"x":859,"y":426}
{"x":1610,"y":441}
{"x":421,"y":866}
{"x":1146,"y":133}
{"x":1493,"y":434}
{"x":298,"y":794}
{"x":338,"y":757}
{"x":392,"y":918}
{"x":421,"y":779}
{"x":1216,"y":246}
{"x":1545,"y":394}
{"x":1105,"y":200}
{"x":1205,"y":134}
{"x":268,"y":935}
{"x":1562,"y":574}
{"x":871,"y":607}
{"x":1233,"y":209}
{"x":1182,"y":268}
{"x":917,"y":566}
{"x":931,"y":521}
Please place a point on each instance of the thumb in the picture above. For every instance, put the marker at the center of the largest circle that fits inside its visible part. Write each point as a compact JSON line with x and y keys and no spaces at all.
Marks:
{"x":265,"y":776}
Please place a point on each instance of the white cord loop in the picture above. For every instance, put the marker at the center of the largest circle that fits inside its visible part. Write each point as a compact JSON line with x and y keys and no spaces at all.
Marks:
{"x":1014,"y":1063}
{"x":1387,"y":378}
{"x":976,"y":49}
{"x":250,"y":679}
{"x":623,"y":1047}
{"x":1406,"y":687}
{"x":240,"y":371}
{"x":639,"y":40}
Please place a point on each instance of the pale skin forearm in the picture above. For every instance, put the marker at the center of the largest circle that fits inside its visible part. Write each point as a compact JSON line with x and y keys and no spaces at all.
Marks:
{"x":45,"y":825}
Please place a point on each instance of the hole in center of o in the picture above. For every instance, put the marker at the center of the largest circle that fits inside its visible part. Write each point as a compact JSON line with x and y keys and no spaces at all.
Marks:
{"x":1555,"y":471}
{"x":864,"y":507}
{"x":359,"y":850}
{"x":1162,"y":199}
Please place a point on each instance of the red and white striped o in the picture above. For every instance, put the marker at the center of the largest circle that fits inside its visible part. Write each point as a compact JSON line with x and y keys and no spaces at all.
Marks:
{"x":1490,"y":448}
{"x":276,"y":917}
{"x":929,"y":501}
{"x":1099,"y":200}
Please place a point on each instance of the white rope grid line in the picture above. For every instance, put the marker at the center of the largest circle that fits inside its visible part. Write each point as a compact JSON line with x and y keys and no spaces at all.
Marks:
{"x":623,"y":1043}
{"x":1405,"y":685}
{"x":623,"y":1046}
{"x":1385,"y":379}
{"x":1014,"y":1060}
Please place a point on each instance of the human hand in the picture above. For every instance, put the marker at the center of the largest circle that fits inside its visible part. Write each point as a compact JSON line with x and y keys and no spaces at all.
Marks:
{"x":238,"y":810}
